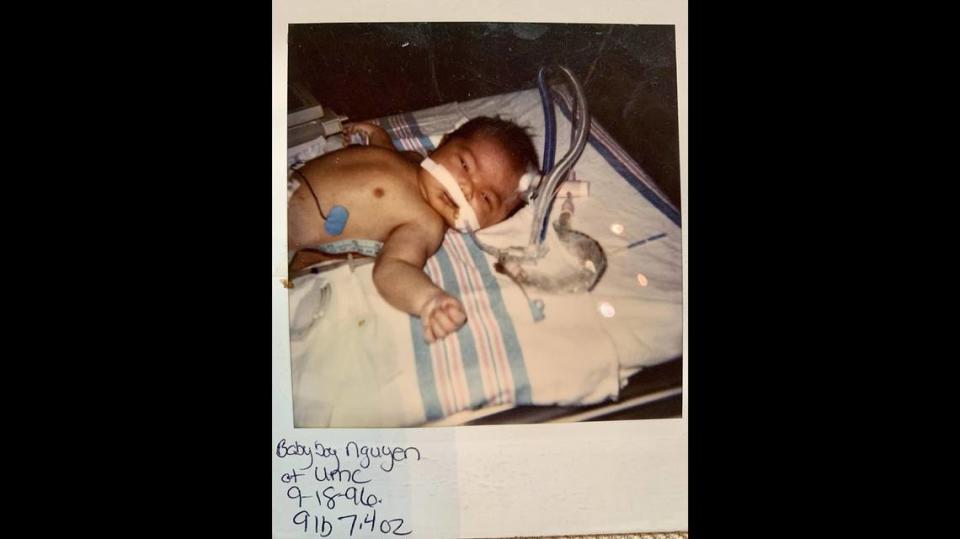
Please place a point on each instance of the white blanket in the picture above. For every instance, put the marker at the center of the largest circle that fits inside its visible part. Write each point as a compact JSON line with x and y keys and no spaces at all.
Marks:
{"x":363,"y":363}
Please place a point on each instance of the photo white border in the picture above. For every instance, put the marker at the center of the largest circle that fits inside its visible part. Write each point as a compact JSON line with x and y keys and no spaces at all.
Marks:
{"x":501,"y":481}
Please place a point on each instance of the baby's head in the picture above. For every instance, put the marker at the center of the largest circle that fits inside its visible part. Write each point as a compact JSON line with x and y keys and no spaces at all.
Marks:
{"x":485,"y":157}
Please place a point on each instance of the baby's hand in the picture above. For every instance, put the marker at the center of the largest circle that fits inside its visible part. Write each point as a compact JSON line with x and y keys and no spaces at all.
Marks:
{"x":442,"y":315}
{"x":361,"y":127}
{"x":375,"y":134}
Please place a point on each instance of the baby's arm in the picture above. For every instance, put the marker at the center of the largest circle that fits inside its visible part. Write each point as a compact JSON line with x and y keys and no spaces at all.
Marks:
{"x":399,"y":277}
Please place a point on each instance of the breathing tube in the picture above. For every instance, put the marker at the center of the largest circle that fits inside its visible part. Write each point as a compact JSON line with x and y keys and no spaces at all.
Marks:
{"x":554,"y":176}
{"x":549,"y":122}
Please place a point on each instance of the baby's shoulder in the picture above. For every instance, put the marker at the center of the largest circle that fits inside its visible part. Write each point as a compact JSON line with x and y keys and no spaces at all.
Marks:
{"x":424,"y":223}
{"x":427,"y":219}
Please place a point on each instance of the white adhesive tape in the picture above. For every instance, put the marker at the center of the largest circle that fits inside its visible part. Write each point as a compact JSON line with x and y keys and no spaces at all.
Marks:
{"x":466,"y":220}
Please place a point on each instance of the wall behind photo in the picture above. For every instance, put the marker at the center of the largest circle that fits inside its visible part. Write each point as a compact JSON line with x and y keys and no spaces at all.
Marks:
{"x":628,"y":72}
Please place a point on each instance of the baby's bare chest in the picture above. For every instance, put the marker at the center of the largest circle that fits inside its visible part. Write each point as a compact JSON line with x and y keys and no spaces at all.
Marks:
{"x":364,"y":203}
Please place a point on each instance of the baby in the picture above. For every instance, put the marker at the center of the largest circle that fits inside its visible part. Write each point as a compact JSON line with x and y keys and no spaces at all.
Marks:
{"x":396,"y":206}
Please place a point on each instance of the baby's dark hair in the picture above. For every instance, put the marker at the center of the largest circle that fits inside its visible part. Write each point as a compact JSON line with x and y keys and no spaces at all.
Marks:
{"x":512,"y":138}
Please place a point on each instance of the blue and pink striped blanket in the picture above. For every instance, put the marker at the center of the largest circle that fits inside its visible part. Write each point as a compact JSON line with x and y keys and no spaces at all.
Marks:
{"x":376,"y":370}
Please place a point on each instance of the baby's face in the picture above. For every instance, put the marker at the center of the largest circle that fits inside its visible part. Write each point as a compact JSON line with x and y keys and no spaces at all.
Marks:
{"x":482,"y":170}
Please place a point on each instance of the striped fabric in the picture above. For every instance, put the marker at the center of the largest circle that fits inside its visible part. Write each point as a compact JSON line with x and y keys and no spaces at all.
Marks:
{"x":483,"y":365}
{"x":613,"y":154}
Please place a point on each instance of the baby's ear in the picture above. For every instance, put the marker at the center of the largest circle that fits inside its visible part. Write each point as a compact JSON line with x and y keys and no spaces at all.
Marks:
{"x":529,"y":182}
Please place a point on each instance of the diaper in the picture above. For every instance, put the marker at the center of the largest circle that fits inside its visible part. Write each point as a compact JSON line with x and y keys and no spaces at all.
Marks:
{"x":365,"y":247}
{"x":369,"y":248}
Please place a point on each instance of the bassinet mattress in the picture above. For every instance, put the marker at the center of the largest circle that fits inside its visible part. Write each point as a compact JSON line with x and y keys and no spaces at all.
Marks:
{"x":365,"y":364}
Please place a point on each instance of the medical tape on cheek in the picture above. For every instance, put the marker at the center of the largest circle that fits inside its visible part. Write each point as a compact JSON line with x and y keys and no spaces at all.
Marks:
{"x":466,"y":218}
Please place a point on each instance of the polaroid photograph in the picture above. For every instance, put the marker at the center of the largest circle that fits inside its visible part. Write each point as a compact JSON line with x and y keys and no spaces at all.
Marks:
{"x":478,"y":270}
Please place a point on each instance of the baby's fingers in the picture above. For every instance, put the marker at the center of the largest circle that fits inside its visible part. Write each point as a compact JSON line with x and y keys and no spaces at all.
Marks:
{"x":455,"y":313}
{"x":428,"y":334}
{"x":440,"y":332}
{"x":443,"y":321}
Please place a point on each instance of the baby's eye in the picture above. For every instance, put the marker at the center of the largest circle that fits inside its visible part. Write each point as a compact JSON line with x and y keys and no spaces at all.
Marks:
{"x":463,"y":164}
